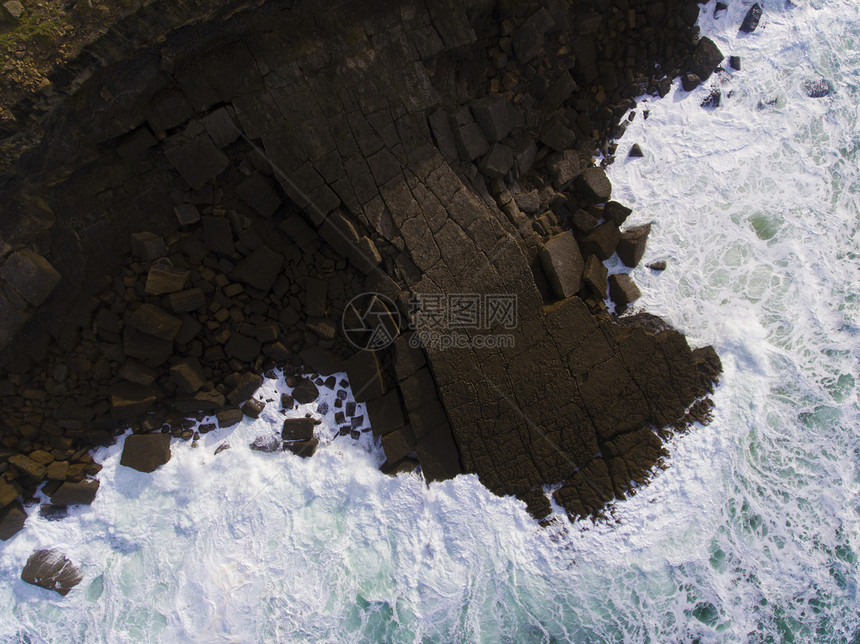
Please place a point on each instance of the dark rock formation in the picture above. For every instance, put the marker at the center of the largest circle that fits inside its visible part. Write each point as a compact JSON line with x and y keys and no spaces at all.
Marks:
{"x":289,"y":166}
{"x":52,"y":570}
{"x":752,"y":18}
{"x":145,"y":452}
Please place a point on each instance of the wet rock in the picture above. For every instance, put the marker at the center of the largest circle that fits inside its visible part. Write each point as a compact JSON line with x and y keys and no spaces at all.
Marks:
{"x":305,"y":449}
{"x":385,"y":412}
{"x":690,"y":81}
{"x":658,"y":266}
{"x":602,"y":241}
{"x":595,"y":276}
{"x":593,"y":184}
{"x":78,"y":493}
{"x":563,"y":265}
{"x":146,"y":452}
{"x":705,"y":58}
{"x":51,"y":512}
{"x":298,"y":429}
{"x":398,"y":445}
{"x":229,"y":417}
{"x":31,"y":275}
{"x":563,"y":168}
{"x":631,"y":246}
{"x":712,"y":100}
{"x":437,"y":454}
{"x":221,"y":448}
{"x":817,"y":89}
{"x":623,"y":290}
{"x":735,"y":62}
{"x":52,"y":570}
{"x":268,"y":444}
{"x":305,"y":392}
{"x":635,"y":152}
{"x":583,"y":221}
{"x":253,"y":408}
{"x":12,"y":519}
{"x":752,"y":19}
{"x":147,"y":246}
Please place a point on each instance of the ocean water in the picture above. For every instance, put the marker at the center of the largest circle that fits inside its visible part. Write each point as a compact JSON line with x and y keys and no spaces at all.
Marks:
{"x":751,"y":534}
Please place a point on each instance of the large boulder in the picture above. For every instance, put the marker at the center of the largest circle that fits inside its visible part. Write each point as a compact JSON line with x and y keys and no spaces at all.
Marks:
{"x":50,"y":569}
{"x":602,"y":240}
{"x":563,"y":265}
{"x":705,"y":58}
{"x":631,"y":246}
{"x":31,"y":275}
{"x":595,"y":275}
{"x":751,"y":19}
{"x":623,"y":290}
{"x":594,"y":185}
{"x":76,"y":493}
{"x":145,"y":452}
{"x":496,"y":117}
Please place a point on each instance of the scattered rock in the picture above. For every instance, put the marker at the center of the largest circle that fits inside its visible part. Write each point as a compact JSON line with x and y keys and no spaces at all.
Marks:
{"x":222,"y":447}
{"x":147,"y":246}
{"x":623,"y":290}
{"x":735,"y":62}
{"x":8,"y":493}
{"x":242,"y":386}
{"x":817,"y":89}
{"x":752,"y":18}
{"x":51,"y":512}
{"x":145,"y":452}
{"x":563,"y":265}
{"x":712,"y":100}
{"x":52,"y":570}
{"x":163,"y":278}
{"x":631,"y":246}
{"x":152,"y":320}
{"x":260,"y":194}
{"x":528,"y":202}
{"x":658,"y":265}
{"x":305,"y":449}
{"x":31,"y":275}
{"x":187,"y":214}
{"x":259,"y":269}
{"x":496,"y":117}
{"x":242,"y":347}
{"x":583,"y":221}
{"x":129,"y":399}
{"x":31,"y":469}
{"x":497,"y":162}
{"x":635,"y":152}
{"x":14,"y":8}
{"x":471,"y":142}
{"x":253,"y":408}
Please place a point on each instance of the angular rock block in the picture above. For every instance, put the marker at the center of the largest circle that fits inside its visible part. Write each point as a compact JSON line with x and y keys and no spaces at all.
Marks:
{"x":196,"y":159}
{"x":631,"y":246}
{"x":365,"y":376}
{"x":752,"y":18}
{"x":563,"y":265}
{"x":260,"y":194}
{"x":31,"y":275}
{"x":79,"y":493}
{"x":12,"y":519}
{"x":386,"y":413}
{"x":593,"y":184}
{"x":705,"y":58}
{"x":129,"y":400}
{"x":146,"y":452}
{"x":152,"y":320}
{"x":495,"y":116}
{"x":147,"y":246}
{"x":497,"y":162}
{"x":305,"y":449}
{"x":602,"y":241}
{"x":52,"y":570}
{"x":623,"y":290}
{"x":163,"y":278}
{"x":595,"y":276}
{"x":260,"y":269}
{"x":298,"y":429}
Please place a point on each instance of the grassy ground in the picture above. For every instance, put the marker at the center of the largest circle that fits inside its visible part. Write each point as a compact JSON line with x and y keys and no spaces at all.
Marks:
{"x":48,"y":32}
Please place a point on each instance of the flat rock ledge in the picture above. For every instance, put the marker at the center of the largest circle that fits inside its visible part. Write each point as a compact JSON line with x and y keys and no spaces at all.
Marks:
{"x":187,"y":215}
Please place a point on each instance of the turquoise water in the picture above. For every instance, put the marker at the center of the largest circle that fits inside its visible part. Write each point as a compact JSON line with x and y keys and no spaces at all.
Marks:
{"x":751,"y":534}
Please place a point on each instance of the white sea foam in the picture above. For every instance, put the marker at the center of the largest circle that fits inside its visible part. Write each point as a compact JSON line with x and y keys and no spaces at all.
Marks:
{"x":751,"y":534}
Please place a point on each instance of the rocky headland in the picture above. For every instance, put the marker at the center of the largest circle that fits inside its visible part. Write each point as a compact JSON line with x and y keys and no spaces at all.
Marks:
{"x":195,"y":200}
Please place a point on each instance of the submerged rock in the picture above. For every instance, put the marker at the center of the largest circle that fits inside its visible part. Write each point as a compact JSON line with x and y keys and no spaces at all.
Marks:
{"x":52,"y":570}
{"x":817,"y":88}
